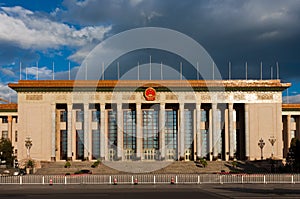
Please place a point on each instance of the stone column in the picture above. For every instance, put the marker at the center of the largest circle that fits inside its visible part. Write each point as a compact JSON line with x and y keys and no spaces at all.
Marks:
{"x":247,"y":136}
{"x":74,"y":134}
{"x":53,"y":131}
{"x":297,"y":126}
{"x":198,"y":130}
{"x":214,"y":131}
{"x":226,"y":135}
{"x":181,"y":137}
{"x":69,"y":144}
{"x":120,"y":131}
{"x":230,"y":129}
{"x":102,"y":132}
{"x":139,"y":133}
{"x":9,"y":122}
{"x":90,"y":134}
{"x":86,"y":131}
{"x":162,"y":130}
{"x":288,"y":131}
{"x":210,"y":135}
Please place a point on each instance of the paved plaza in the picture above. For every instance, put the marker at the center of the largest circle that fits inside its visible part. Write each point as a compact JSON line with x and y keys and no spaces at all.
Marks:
{"x":150,"y":191}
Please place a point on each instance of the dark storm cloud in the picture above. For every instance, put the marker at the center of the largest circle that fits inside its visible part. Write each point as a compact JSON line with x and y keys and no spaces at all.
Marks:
{"x":236,"y":31}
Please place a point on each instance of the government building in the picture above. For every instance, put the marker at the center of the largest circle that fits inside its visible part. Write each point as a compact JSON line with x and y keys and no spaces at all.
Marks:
{"x":150,"y":120}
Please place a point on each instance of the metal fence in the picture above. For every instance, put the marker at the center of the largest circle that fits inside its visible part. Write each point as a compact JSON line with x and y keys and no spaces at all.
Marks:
{"x":153,"y":179}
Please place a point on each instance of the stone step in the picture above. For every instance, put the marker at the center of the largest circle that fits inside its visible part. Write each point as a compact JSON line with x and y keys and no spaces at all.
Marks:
{"x":119,"y":167}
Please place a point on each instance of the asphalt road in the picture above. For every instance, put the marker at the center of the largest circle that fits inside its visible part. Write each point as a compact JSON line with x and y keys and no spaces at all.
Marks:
{"x":150,"y":191}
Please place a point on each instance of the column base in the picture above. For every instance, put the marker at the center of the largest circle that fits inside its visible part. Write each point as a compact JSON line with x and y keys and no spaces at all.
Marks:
{"x":247,"y":158}
{"x":53,"y":159}
{"x":102,"y":158}
{"x":86,"y":159}
{"x":181,"y":158}
{"x":137,"y":159}
{"x":69,"y":159}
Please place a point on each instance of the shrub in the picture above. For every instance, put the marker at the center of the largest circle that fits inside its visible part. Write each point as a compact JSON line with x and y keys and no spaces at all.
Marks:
{"x":68,"y":164}
{"x":29,"y":164}
{"x":203,"y":162}
{"x":95,"y":164}
{"x":234,"y":164}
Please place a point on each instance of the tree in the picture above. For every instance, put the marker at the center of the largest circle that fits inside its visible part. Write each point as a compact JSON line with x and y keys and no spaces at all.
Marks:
{"x":6,"y":151}
{"x":293,"y":158}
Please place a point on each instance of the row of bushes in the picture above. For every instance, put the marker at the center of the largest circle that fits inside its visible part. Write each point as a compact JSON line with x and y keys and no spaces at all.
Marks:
{"x":94,"y":165}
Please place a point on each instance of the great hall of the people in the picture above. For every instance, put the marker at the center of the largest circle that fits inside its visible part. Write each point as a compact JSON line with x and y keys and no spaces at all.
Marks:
{"x":150,"y":120}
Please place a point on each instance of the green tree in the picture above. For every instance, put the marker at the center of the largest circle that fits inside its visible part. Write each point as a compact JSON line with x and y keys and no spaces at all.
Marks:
{"x":293,"y":158}
{"x":6,"y":151}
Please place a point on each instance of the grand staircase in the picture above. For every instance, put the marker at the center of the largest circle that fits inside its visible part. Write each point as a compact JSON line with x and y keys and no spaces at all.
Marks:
{"x":154,"y":167}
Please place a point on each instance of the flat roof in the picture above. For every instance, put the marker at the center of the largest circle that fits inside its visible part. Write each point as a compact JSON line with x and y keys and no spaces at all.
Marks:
{"x":8,"y":107}
{"x":290,"y":107}
{"x":99,"y":85}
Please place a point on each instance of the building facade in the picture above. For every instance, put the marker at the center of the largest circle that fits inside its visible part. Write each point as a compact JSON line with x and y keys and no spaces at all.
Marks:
{"x":144,"y":120}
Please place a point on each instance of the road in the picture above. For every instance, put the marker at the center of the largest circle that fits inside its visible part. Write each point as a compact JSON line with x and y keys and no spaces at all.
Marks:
{"x":150,"y":191}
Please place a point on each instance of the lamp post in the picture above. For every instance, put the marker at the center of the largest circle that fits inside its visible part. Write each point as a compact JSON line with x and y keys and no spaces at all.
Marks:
{"x":261,"y":145}
{"x":272,"y":140}
{"x":28,"y":145}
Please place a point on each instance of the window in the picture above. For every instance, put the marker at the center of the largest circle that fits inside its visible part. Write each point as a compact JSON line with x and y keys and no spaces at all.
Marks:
{"x":171,"y":129}
{"x":79,"y":116}
{"x":112,"y":129}
{"x":188,"y":129}
{"x":4,"y":119}
{"x":16,"y":119}
{"x":4,"y":134}
{"x":95,"y":144}
{"x":16,"y":136}
{"x":63,"y":116}
{"x":129,"y":126}
{"x":95,"y":116}
{"x":150,"y":129}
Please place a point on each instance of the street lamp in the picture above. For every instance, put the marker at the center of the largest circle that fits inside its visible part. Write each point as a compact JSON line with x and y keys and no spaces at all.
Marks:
{"x":272,"y":140}
{"x":28,"y":145}
{"x":261,"y":145}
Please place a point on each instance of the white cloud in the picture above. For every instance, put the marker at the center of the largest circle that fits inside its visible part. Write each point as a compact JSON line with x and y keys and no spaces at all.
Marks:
{"x":8,"y":72}
{"x":28,"y":31}
{"x":294,"y":99}
{"x":43,"y":72}
{"x":7,"y":93}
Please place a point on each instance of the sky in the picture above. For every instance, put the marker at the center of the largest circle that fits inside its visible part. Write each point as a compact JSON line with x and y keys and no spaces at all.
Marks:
{"x":62,"y":33}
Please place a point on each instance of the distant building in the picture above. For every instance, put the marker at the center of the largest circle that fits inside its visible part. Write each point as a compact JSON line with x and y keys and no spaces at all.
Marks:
{"x":150,"y":119}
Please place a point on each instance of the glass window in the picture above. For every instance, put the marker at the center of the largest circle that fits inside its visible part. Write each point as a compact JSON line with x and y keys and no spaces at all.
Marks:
{"x":95,"y":116}
{"x":188,"y":129}
{"x":150,"y":129}
{"x":4,"y":119}
{"x":204,"y":145}
{"x":203,"y":116}
{"x":171,"y":129}
{"x":79,"y":116}
{"x":63,"y":116}
{"x":4,"y":134}
{"x":112,"y":129}
{"x":63,"y":144}
{"x":96,"y":144}
{"x":16,"y":136}
{"x":79,"y":144}
{"x":129,"y":127}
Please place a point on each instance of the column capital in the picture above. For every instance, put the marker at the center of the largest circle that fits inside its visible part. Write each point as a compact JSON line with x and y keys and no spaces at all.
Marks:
{"x":9,"y":118}
{"x":214,"y":105}
{"x":246,"y":106}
